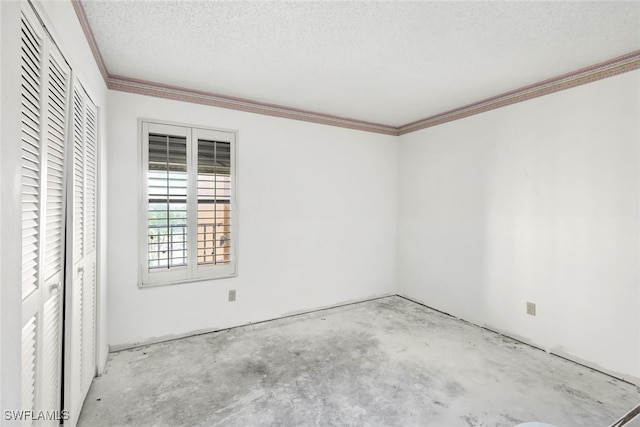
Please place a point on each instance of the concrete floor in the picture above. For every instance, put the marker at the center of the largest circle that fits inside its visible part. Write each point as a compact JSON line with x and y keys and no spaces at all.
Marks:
{"x":383,"y":362}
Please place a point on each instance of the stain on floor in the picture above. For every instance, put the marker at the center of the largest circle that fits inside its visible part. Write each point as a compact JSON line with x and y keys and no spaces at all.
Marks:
{"x":387,"y":362}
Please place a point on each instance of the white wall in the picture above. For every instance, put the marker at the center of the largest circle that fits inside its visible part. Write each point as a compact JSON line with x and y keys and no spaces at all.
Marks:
{"x":2,"y":103}
{"x":317,"y":210}
{"x":61,"y":20}
{"x":10,"y":210}
{"x":535,"y":202}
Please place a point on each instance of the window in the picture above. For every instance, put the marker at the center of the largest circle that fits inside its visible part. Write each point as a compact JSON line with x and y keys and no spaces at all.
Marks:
{"x":188,"y":219}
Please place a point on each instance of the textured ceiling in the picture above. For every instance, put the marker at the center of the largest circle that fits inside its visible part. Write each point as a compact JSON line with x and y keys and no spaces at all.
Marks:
{"x":386,"y":62}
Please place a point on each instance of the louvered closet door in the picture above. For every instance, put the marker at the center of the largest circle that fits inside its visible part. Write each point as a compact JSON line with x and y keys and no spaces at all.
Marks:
{"x":45,"y":93}
{"x":80,"y":365}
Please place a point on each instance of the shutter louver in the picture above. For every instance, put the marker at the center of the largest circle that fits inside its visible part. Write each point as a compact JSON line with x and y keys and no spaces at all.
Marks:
{"x":167,"y":203}
{"x":214,"y":198}
{"x":31,"y":46}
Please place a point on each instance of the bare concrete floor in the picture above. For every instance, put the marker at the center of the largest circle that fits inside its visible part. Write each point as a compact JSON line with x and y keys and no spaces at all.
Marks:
{"x":384,"y":362}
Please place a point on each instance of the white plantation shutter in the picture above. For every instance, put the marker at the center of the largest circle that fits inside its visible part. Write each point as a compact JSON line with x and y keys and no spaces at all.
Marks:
{"x":189,"y":222}
{"x":214,"y":212}
{"x":45,"y":77}
{"x":167,"y":208}
{"x":214,"y":203}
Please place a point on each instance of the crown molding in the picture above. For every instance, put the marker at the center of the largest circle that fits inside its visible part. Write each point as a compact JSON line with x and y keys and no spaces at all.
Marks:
{"x":159,"y":90}
{"x":602,"y":70}
{"x":88,"y":33}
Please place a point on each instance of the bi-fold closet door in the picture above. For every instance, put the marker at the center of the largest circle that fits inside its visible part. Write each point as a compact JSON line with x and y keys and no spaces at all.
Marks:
{"x":80,"y":332}
{"x":58,"y":188}
{"x":45,"y":83}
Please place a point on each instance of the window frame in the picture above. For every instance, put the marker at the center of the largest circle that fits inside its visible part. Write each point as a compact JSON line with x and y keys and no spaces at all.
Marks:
{"x":192,"y":272}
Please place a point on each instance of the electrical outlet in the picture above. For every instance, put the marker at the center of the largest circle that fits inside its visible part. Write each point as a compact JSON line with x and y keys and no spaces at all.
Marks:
{"x":232,"y":295}
{"x":531,"y":309}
